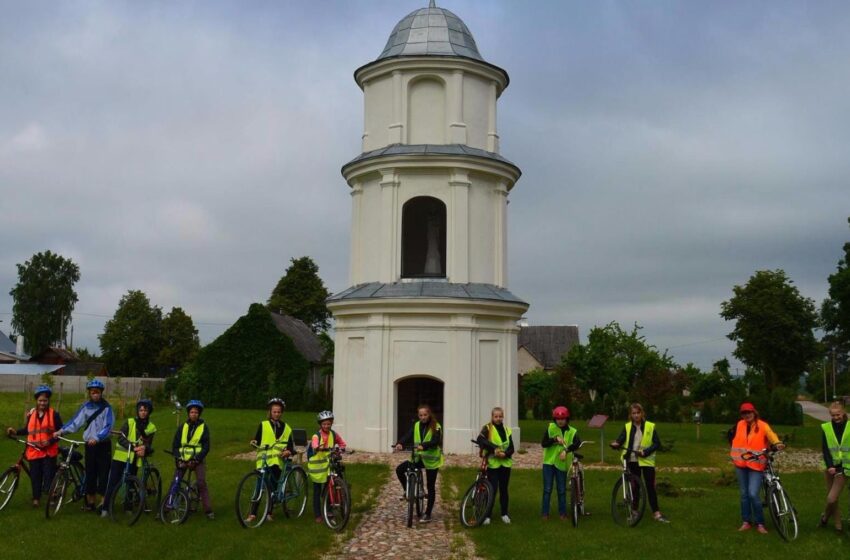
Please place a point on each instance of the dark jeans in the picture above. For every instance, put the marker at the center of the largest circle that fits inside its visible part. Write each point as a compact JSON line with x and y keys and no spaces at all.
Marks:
{"x":499,"y":479}
{"x":41,"y":474}
{"x":749,"y":483}
{"x":430,"y":482}
{"x":98,"y":459}
{"x":648,"y":478}
{"x":318,"y":487}
{"x":116,"y":470}
{"x":551,"y":472}
{"x":272,"y":478}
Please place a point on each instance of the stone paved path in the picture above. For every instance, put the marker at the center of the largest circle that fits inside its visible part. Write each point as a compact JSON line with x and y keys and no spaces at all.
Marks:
{"x":815,"y":410}
{"x":383,"y":533}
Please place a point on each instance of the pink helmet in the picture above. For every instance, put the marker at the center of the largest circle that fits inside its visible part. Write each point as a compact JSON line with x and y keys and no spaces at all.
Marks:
{"x":561,"y":413}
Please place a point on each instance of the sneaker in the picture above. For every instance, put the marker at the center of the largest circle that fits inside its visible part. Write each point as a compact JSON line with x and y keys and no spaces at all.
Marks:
{"x":506,"y":520}
{"x":544,"y":517}
{"x":563,"y":516}
{"x":319,"y":519}
{"x":822,"y":521}
{"x":210,"y":515}
{"x":269,"y":517}
{"x":251,"y":518}
{"x":35,"y":503}
{"x":761,"y":529}
{"x":425,"y":518}
{"x":486,"y":521}
{"x":661,"y":519}
{"x":745,"y":526}
{"x":104,"y":513}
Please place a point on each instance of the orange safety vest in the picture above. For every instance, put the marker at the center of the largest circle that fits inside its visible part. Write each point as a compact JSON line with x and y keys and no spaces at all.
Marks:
{"x":38,"y":431}
{"x":743,"y":442}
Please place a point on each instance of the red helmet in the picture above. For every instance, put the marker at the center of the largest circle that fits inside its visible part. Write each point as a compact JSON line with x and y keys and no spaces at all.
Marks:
{"x":747,"y":407}
{"x":561,"y":413}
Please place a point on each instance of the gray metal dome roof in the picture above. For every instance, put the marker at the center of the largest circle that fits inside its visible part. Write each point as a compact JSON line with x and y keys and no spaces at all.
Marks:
{"x":431,"y":31}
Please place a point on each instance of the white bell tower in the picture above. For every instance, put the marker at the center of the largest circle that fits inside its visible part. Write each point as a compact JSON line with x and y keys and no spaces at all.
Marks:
{"x":428,"y":317}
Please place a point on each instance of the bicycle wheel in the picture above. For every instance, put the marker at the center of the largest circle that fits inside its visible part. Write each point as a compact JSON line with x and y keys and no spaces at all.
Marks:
{"x":782,"y":512}
{"x":420,"y":495}
{"x":252,"y":500}
{"x":57,"y":494}
{"x":174,"y":508}
{"x":628,"y":501}
{"x":191,"y":490}
{"x":476,"y":503}
{"x":126,"y":502}
{"x":8,"y":485}
{"x":78,"y":481}
{"x":410,"y":493}
{"x":295,"y":491}
{"x":575,"y":507}
{"x":153,"y":490}
{"x":581,"y":492}
{"x":336,"y":504}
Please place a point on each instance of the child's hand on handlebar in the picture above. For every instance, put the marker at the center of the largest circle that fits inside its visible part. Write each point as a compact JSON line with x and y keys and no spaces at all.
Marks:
{"x":614,"y":445}
{"x":399,"y":447}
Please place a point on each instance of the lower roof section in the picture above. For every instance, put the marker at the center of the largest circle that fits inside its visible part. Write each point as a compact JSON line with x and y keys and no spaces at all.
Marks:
{"x":426,"y":290}
{"x":431,"y":150}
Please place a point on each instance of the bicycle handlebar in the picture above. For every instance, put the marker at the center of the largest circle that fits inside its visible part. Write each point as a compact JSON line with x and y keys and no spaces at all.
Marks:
{"x":72,"y":441}
{"x":25,"y":442}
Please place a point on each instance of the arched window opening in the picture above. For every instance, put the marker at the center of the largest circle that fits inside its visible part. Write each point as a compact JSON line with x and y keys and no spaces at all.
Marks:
{"x":423,"y":238}
{"x":410,"y":393}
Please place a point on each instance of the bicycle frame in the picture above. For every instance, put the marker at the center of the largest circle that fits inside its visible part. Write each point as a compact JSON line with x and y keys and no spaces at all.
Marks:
{"x":22,"y":464}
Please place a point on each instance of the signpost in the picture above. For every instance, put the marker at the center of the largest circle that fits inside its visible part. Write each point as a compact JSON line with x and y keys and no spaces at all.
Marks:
{"x":598,"y":421}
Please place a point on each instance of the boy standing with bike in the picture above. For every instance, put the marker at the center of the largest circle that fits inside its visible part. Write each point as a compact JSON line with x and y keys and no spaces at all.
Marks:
{"x":274,"y":437}
{"x":96,"y":418}
{"x":190,"y":446}
{"x":559,"y":441}
{"x":133,"y":430}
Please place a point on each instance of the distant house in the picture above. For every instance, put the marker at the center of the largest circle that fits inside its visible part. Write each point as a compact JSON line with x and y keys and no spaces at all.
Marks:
{"x":70,"y":362}
{"x":309,"y":346}
{"x":542,"y":347}
{"x":11,"y":353}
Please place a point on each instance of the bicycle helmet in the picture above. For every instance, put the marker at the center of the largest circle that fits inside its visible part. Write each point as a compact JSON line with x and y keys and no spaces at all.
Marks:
{"x":561,"y":413}
{"x":95,"y":384}
{"x":43,"y":389}
{"x":147,"y":403}
{"x":324,"y":415}
{"x":194,"y":403}
{"x":276,"y":400}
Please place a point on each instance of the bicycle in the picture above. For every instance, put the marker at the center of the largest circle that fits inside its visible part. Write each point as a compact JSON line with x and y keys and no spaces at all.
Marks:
{"x":10,"y":478}
{"x":336,"y":497}
{"x":182,"y":497}
{"x":414,"y":488}
{"x":577,"y":485}
{"x":132,"y":495}
{"x":628,"y":499}
{"x":70,"y":472}
{"x":782,"y":511}
{"x":255,"y":498}
{"x":478,"y":498}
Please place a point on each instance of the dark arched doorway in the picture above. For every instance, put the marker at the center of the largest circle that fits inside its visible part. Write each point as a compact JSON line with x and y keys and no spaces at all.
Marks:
{"x":410,"y":393}
{"x":423,"y":238}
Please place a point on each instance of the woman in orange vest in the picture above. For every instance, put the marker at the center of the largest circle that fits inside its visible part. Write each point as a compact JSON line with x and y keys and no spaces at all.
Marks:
{"x":40,"y":424}
{"x":751,"y":434}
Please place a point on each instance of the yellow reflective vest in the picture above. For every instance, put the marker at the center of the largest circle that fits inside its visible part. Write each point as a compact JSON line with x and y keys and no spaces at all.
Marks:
{"x":121,"y":451}
{"x":276,"y":445}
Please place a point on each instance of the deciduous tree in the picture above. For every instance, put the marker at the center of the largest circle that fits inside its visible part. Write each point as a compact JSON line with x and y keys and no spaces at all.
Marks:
{"x":301,"y":293}
{"x":132,"y":340}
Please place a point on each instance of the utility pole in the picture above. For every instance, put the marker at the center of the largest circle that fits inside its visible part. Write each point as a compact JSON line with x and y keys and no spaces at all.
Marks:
{"x":834,"y":389}
{"x":825,"y":398}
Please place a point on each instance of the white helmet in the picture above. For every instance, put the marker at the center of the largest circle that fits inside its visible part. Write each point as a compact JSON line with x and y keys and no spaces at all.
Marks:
{"x":324,"y":415}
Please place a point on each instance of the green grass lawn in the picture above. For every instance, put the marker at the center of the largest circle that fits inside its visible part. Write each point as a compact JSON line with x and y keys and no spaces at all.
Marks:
{"x":27,"y":533}
{"x":701,"y":527}
{"x":711,"y":449}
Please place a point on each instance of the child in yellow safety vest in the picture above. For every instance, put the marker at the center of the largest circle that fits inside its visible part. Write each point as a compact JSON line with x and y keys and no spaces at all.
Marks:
{"x":559,"y":441}
{"x":132,"y":430}
{"x":497,"y":445}
{"x":639,"y":441}
{"x":318,"y":457}
{"x":426,"y":435}
{"x":274,"y":437}
{"x":190,"y":446}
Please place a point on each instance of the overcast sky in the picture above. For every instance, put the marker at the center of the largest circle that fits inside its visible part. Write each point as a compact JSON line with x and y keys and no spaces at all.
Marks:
{"x":189,"y":150}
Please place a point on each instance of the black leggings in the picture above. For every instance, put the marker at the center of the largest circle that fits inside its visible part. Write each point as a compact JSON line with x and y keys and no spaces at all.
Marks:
{"x":41,"y":474}
{"x":649,"y":479}
{"x":116,"y":471}
{"x":430,"y":482}
{"x":499,"y":479}
{"x":98,"y":459}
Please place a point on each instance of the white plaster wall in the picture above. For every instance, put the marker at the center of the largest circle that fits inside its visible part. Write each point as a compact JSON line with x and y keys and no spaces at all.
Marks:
{"x":426,"y":109}
{"x":469,"y":353}
{"x":477,"y":98}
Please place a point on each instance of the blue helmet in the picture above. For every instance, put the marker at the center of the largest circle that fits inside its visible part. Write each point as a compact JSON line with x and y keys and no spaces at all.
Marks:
{"x":43,"y":389}
{"x":195,"y":403}
{"x":147,"y":403}
{"x":95,"y":384}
